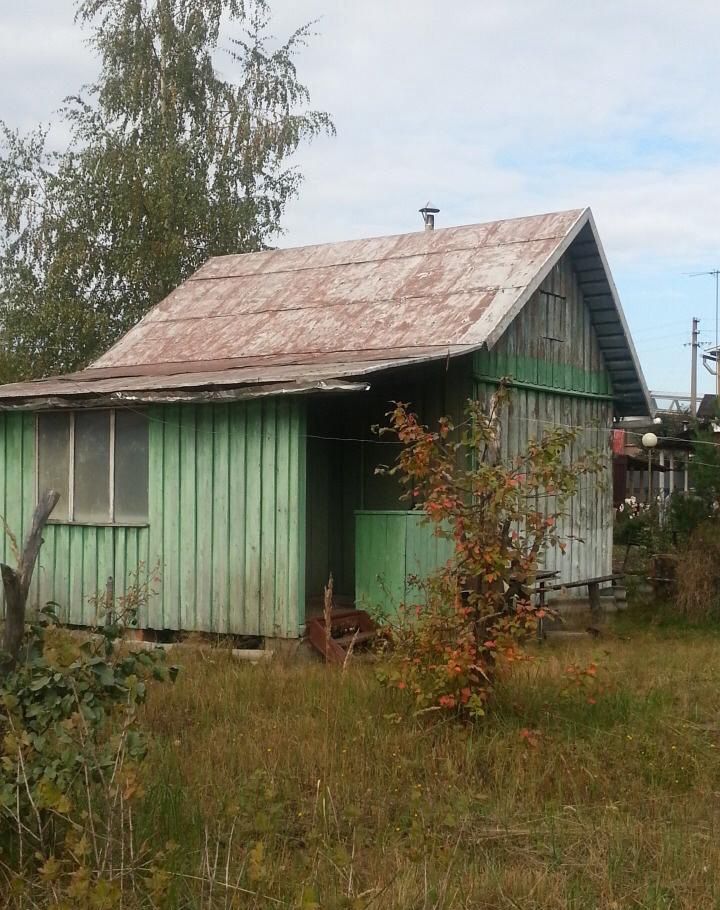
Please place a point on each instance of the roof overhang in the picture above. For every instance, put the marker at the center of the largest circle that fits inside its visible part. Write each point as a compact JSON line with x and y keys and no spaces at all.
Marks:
{"x":60,"y":394}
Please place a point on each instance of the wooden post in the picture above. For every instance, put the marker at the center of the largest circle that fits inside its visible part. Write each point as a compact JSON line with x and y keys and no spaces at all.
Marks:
{"x":541,"y":606}
{"x":110,"y":601}
{"x":16,"y":582}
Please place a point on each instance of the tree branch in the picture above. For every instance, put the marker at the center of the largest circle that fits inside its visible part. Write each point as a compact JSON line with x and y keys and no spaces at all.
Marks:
{"x":16,"y":582}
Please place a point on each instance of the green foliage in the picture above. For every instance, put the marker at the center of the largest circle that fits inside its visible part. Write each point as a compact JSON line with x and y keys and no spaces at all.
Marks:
{"x":698,"y":573}
{"x":704,"y":468}
{"x":645,"y":527}
{"x":501,"y":517}
{"x":631,"y":526}
{"x":685,"y":512}
{"x":168,"y":163}
{"x":71,"y":749}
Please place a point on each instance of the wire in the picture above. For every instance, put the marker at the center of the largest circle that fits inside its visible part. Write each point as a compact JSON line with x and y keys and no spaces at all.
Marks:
{"x":515,"y":418}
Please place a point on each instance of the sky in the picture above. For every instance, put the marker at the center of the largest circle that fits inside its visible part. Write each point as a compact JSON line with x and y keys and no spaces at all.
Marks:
{"x":490,"y":109}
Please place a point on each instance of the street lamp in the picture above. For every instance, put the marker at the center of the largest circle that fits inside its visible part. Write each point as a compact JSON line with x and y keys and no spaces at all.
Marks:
{"x":649,"y":441}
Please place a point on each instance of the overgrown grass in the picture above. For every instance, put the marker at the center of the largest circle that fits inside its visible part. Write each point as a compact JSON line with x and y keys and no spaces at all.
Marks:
{"x":296,"y":785}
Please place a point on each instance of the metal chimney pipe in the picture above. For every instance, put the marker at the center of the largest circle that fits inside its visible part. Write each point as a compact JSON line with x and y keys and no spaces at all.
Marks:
{"x":428,"y":212}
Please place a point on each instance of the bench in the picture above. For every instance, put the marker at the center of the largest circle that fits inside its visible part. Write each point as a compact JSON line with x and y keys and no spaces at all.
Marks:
{"x":592,"y":584}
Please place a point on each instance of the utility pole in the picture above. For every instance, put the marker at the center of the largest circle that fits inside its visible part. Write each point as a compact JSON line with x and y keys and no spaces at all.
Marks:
{"x":714,"y":353}
{"x":693,"y":368}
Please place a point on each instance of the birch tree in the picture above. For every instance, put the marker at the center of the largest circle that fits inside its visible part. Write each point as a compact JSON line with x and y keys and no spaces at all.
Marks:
{"x":181,"y":149}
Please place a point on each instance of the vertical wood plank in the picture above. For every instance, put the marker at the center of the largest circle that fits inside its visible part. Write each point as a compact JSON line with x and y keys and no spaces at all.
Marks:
{"x":239,"y":613}
{"x":162,"y":535}
{"x":284,"y":560}
{"x":188,"y":516}
{"x":220,"y":481}
{"x":268,"y":620}
{"x":206,"y":559}
{"x":253,"y":517}
{"x":298,"y":515}
{"x":168,"y":498}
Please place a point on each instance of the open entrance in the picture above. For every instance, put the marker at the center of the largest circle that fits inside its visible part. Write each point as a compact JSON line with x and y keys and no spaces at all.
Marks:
{"x":342,"y":456}
{"x":358,"y":527}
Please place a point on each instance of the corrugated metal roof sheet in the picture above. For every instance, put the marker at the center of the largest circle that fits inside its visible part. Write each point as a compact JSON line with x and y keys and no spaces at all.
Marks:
{"x":335,"y":310}
{"x":412,"y":290}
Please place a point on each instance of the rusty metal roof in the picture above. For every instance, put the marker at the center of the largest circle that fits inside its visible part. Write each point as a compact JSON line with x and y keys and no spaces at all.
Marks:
{"x":298,"y":317}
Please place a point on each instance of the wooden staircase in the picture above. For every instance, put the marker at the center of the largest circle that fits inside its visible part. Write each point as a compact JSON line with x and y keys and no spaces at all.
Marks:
{"x":347,"y":627}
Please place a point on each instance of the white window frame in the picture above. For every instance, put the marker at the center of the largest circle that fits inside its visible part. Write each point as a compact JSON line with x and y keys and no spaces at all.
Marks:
{"x":71,"y":520}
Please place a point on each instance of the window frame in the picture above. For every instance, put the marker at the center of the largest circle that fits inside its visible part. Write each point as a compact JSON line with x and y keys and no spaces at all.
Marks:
{"x":554,"y":304}
{"x":71,"y":520}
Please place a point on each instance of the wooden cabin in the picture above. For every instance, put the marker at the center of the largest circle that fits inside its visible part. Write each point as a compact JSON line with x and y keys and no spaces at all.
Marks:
{"x":224,"y":445}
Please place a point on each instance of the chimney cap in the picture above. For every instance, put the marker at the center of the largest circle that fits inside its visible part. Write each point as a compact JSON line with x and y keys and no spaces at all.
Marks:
{"x":429,"y":209}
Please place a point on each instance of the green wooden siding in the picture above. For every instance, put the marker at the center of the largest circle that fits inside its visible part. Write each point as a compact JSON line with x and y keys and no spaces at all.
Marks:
{"x":551,"y":344}
{"x":227,"y":505}
{"x":551,"y":352}
{"x":390,"y":547}
{"x":587,"y":522}
{"x":559,"y":378}
{"x":225,"y":539}
{"x":17,"y":476}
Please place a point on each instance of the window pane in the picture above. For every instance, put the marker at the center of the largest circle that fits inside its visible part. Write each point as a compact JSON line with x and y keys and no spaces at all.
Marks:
{"x":53,"y":459}
{"x":131,"y":466}
{"x":92,"y":466}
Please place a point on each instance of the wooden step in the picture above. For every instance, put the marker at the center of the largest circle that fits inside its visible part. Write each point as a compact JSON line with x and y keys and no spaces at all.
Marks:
{"x":348,"y":626}
{"x":358,"y":637}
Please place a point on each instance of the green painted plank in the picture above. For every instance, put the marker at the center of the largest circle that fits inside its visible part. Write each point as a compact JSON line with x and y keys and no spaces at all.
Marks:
{"x":383,"y":565}
{"x":361,"y":561}
{"x":63,"y":576}
{"x":187,"y":563}
{"x":27,"y":471}
{"x":205,"y":519}
{"x":123,"y":565}
{"x":221,"y":519}
{"x":238,"y":613}
{"x":77,"y":611}
{"x":284,"y":560}
{"x":253,"y":517}
{"x":318,"y":538}
{"x":511,"y":354}
{"x":269,"y":624}
{"x":15,"y":462}
{"x":169,"y":503}
{"x":297,"y":516}
{"x":88,"y":574}
{"x":43,"y":579}
{"x":161,"y":436}
{"x":148,"y":571}
{"x":105,"y":540}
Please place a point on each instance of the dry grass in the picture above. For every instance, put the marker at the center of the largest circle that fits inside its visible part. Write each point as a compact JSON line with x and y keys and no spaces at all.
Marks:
{"x":307,"y":787}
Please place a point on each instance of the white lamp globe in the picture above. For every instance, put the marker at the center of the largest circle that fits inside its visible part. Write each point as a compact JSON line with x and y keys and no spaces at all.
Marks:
{"x":649,"y":440}
{"x":657,"y":420}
